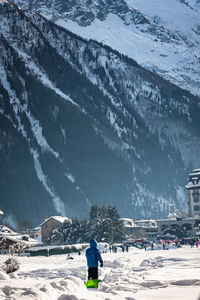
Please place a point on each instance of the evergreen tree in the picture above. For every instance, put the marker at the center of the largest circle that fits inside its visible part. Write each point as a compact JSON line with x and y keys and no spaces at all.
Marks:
{"x":70,"y":233}
{"x":116,"y":224}
{"x":104,"y":225}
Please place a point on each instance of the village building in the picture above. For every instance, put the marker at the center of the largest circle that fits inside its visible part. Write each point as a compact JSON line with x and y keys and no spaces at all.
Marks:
{"x":149,"y":227}
{"x":193,"y":187}
{"x":146,"y":223}
{"x":35,"y":233}
{"x":7,"y":241}
{"x":138,"y":229}
{"x":178,"y":227}
{"x":51,"y":224}
{"x":131,"y":230}
{"x":128,"y":226}
{"x":151,"y":234}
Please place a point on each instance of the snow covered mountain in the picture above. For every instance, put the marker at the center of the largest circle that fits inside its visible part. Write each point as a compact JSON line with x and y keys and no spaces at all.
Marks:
{"x":162,"y":36}
{"x":81,"y":123}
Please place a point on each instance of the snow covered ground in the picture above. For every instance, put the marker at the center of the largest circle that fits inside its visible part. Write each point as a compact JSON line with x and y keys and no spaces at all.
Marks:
{"x":140,"y":275}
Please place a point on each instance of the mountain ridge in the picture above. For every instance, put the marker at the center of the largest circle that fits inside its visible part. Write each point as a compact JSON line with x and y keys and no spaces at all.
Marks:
{"x":93,"y":126}
{"x":166,"y":41}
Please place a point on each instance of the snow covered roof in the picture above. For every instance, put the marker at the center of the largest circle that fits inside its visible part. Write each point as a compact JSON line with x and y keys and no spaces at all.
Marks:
{"x":57,"y":218}
{"x":128,"y":222}
{"x":196,"y":170}
{"x":4,"y":231}
{"x":191,"y":185}
{"x":146,"y":223}
{"x":194,"y":180}
{"x":36,"y":229}
{"x":194,"y":174}
{"x":19,"y":238}
{"x":172,"y":215}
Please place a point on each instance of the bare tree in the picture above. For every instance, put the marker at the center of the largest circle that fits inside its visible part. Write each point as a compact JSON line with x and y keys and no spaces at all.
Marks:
{"x":25,"y":225}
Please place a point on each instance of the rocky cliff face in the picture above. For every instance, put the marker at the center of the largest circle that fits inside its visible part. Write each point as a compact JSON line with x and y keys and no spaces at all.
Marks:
{"x":84,"y":12}
{"x":80,"y":123}
{"x":163,"y":38}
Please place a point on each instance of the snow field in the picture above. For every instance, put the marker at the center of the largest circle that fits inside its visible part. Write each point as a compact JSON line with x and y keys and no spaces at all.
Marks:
{"x":137,"y":275}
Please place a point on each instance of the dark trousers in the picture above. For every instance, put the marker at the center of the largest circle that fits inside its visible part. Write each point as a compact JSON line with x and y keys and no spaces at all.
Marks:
{"x":93,"y":273}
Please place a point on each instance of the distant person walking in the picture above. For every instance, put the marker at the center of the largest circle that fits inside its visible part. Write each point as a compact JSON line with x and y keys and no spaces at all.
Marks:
{"x":197,"y":243}
{"x":106,"y":248}
{"x":93,"y":257}
{"x":152,"y":246}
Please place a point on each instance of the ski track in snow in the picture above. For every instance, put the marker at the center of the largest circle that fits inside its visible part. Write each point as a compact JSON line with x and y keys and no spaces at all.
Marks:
{"x":137,"y":275}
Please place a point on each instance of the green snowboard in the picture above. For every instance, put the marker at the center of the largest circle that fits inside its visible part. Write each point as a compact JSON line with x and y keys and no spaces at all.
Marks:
{"x":92,"y":283}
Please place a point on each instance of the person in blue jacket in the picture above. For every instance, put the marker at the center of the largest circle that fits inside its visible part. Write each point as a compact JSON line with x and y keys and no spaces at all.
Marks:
{"x":93,"y":256}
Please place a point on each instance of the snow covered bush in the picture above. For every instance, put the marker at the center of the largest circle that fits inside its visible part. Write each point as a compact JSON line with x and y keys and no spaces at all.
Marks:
{"x":70,"y":233}
{"x":17,"y":248}
{"x":11,"y":265}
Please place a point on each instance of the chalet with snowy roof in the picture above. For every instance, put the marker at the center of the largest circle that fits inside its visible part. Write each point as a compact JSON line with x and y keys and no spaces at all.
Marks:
{"x":50,"y":224}
{"x":193,"y":188}
{"x":7,"y":241}
{"x":5,"y":231}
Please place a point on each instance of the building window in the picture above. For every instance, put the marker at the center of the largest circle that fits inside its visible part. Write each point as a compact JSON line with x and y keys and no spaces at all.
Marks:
{"x":187,"y":226}
{"x":195,"y":192}
{"x":163,"y":227}
{"x":196,"y":207}
{"x":196,"y":199}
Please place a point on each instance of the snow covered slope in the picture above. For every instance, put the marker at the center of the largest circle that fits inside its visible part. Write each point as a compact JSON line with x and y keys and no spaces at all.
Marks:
{"x":163,"y":37}
{"x":80,"y":123}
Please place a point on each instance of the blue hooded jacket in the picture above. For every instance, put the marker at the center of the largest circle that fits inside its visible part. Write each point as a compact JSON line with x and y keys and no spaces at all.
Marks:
{"x":93,"y":255}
